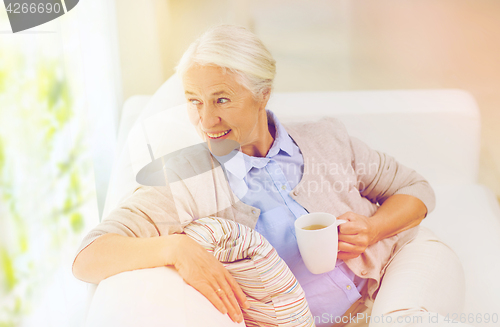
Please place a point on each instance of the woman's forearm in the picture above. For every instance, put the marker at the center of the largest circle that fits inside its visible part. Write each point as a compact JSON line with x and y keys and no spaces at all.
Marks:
{"x":111,"y":254}
{"x":398,"y":213}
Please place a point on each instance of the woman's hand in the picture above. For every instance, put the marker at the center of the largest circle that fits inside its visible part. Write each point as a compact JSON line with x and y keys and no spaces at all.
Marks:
{"x":205,"y":273}
{"x":355,"y":235}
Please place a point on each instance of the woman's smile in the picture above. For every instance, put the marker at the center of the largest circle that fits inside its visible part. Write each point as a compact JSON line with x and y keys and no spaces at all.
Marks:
{"x":218,"y":135}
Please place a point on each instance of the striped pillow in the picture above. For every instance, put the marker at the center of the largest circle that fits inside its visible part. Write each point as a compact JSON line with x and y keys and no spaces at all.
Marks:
{"x":275,"y":296}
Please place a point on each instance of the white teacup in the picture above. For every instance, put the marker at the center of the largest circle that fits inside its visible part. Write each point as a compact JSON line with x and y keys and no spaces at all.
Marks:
{"x":318,"y":247}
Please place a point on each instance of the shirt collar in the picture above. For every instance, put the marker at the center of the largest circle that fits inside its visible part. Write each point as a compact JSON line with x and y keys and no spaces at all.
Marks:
{"x":240,"y":164}
{"x":282,"y":140}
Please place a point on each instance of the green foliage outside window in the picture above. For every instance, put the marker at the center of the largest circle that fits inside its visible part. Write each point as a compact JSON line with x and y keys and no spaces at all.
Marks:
{"x":46,"y":179}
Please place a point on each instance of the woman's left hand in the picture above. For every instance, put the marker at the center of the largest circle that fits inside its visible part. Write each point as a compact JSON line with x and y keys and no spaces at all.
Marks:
{"x":355,"y":235}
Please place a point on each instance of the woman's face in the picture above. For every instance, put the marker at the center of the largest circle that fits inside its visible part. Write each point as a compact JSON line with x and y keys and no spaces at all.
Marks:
{"x":221,"y":108}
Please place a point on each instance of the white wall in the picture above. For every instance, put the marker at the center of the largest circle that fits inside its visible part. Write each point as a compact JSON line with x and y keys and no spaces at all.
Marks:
{"x":336,"y":45}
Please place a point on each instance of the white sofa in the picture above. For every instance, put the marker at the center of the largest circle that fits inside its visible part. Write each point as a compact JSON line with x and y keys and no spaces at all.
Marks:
{"x":436,"y":132}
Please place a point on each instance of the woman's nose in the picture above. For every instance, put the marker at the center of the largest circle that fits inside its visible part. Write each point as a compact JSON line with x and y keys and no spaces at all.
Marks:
{"x":208,"y":117}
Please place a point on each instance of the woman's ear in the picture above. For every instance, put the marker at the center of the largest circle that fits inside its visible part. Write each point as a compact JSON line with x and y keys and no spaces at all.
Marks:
{"x":265,"y":94}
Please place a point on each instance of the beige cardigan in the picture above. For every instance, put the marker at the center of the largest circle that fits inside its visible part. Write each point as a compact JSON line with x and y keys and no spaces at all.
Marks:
{"x":340,"y":174}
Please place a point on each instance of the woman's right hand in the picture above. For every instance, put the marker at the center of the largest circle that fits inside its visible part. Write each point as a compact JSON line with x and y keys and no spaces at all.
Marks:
{"x":205,"y":273}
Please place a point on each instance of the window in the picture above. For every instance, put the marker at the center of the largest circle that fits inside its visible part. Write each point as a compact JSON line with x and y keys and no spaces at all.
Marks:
{"x":48,"y":80}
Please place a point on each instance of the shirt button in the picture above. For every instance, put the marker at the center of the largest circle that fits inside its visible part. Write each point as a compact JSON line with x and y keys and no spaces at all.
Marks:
{"x":348,"y":287}
{"x":295,"y":193}
{"x":254,"y":211}
{"x":283,"y":187}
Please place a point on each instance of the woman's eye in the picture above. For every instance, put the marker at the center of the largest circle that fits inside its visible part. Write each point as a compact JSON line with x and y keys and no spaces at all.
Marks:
{"x":194,"y":101}
{"x":222,"y":100}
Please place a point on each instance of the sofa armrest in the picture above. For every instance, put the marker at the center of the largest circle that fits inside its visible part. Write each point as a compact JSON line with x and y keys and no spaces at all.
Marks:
{"x":467,"y":218}
{"x":152,"y":297}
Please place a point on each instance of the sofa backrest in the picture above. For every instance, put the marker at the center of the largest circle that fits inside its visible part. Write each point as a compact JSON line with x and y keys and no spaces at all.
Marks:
{"x":435,"y":132}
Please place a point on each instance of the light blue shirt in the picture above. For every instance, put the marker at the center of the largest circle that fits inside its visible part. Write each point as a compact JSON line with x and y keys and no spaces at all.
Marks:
{"x":266,"y":183}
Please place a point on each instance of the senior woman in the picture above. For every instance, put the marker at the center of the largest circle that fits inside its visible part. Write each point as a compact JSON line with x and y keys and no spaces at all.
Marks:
{"x":227,"y":76}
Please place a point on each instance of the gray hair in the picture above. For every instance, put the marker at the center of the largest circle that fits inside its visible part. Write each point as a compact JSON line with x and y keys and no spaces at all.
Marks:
{"x":236,"y":49}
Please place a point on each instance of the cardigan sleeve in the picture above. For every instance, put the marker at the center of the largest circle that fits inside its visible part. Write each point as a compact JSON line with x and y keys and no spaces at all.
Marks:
{"x":163,"y":210}
{"x":148,"y":212}
{"x":380,"y":176}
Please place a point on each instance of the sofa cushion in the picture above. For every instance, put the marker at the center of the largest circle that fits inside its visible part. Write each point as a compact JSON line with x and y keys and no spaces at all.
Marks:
{"x":275,"y":296}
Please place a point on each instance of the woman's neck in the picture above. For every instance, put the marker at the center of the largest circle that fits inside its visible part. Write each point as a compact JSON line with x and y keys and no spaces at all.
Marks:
{"x":261,"y":147}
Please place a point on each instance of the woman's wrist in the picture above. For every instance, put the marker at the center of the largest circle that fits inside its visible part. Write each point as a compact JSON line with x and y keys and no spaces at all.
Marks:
{"x":398,"y":213}
{"x":170,"y":248}
{"x":375,"y":229}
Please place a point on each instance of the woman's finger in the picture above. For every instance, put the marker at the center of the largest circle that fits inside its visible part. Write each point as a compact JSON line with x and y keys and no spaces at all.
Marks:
{"x":212,"y":296}
{"x":352,"y":228}
{"x":348,"y":228}
{"x":206,"y":274}
{"x":201,"y":270}
{"x":348,"y":238}
{"x":350,"y":248}
{"x":224,"y":292}
{"x":358,"y":239}
{"x":346,"y":255}
{"x":226,"y":295}
{"x":237,"y":291}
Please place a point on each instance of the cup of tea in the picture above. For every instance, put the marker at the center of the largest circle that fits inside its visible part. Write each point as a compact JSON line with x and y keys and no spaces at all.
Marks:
{"x":317,"y":237}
